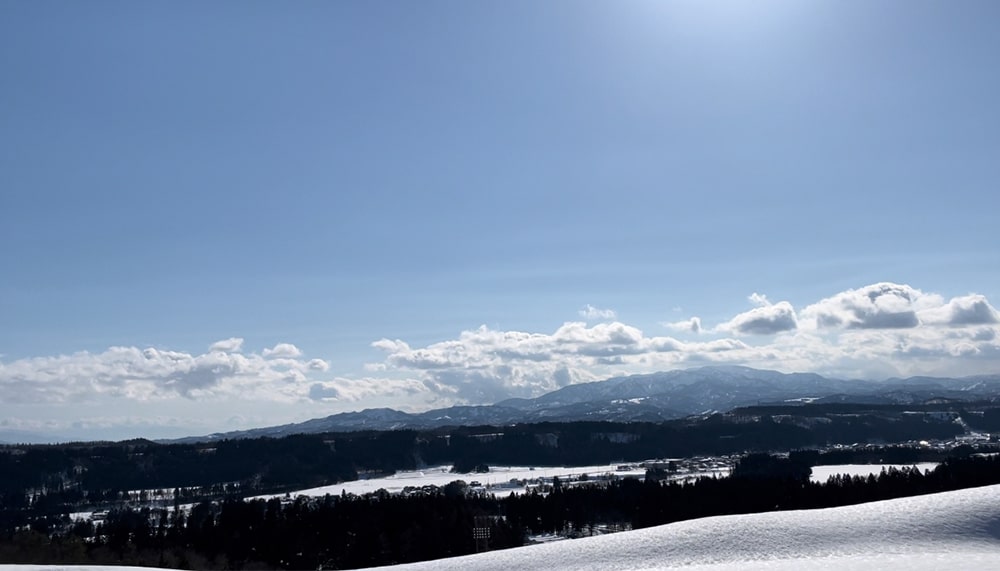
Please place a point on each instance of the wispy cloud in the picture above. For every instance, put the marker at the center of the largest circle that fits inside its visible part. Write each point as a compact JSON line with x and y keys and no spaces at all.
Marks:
{"x":591,"y":313}
{"x":692,"y":325}
{"x":231,"y":345}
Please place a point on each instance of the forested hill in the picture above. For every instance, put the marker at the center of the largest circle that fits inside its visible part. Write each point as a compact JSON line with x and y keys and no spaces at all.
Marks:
{"x":57,"y":478}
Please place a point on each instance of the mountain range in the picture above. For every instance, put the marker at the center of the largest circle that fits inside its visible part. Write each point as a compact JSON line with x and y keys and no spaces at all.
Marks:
{"x":650,"y":398}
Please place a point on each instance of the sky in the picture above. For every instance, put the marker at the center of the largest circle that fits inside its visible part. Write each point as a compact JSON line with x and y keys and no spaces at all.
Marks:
{"x":217,"y":216}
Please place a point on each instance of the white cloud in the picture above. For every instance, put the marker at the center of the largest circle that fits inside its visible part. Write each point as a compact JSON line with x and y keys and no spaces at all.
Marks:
{"x":877,"y":306}
{"x":318,"y":365}
{"x":281,"y":350}
{"x":361,"y":389}
{"x":765,"y":319}
{"x":970,"y":309}
{"x":692,"y":325}
{"x":231,"y":345}
{"x":591,"y":313}
{"x":152,"y":374}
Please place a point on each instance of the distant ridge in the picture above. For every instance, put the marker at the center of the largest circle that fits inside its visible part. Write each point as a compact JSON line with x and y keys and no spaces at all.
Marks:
{"x":11,"y":436}
{"x":649,"y":397}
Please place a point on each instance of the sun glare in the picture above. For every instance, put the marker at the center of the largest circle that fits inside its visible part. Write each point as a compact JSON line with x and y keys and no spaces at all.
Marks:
{"x":723,"y":17}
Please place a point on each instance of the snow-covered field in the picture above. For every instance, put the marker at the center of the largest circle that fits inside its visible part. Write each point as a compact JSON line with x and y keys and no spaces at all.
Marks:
{"x":953,"y":530}
{"x":822,"y":473}
{"x":497,"y":480}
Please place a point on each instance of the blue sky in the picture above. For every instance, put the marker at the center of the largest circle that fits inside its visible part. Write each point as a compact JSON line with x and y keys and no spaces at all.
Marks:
{"x":415,"y":204}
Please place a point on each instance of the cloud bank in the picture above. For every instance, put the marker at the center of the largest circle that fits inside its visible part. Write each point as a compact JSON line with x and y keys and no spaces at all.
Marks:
{"x":875,"y":331}
{"x":224,"y":371}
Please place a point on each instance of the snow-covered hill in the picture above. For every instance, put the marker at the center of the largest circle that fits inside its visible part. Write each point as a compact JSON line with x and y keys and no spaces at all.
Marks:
{"x":954,"y":530}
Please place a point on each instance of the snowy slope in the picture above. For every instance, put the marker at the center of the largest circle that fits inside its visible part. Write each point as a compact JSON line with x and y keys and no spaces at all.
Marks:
{"x":955,"y":530}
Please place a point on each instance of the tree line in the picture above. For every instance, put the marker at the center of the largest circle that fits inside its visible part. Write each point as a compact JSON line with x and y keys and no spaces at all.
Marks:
{"x":43,"y":481}
{"x":346,"y":531}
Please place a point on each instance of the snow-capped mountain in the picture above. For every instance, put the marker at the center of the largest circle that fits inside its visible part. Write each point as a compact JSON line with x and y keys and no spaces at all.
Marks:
{"x":695,"y":390}
{"x":653,"y":397}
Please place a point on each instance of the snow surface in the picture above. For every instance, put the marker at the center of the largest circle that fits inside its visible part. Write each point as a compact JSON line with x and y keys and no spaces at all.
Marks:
{"x":952,"y":530}
{"x":821,"y":474}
